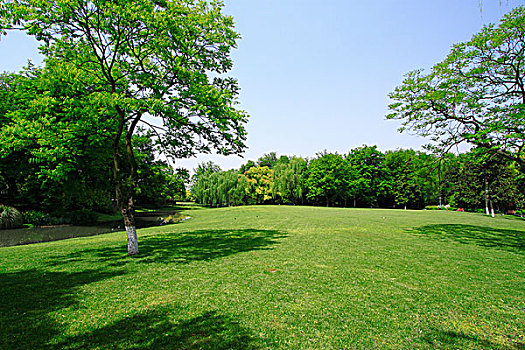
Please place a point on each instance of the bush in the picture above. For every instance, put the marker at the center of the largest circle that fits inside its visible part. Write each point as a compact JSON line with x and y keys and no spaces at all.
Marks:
{"x":37,"y":218}
{"x":443,"y":207}
{"x":10,"y":217}
{"x":432,"y":207}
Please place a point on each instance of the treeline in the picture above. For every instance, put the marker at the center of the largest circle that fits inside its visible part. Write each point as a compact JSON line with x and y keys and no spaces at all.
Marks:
{"x":87,"y":185}
{"x":366,"y":177}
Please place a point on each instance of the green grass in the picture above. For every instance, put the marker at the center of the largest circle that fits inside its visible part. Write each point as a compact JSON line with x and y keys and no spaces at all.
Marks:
{"x":274,"y":277}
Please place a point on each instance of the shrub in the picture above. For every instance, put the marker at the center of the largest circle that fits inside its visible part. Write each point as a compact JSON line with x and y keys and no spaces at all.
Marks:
{"x":37,"y":218}
{"x":443,"y":207}
{"x":10,"y":217}
{"x":432,"y":207}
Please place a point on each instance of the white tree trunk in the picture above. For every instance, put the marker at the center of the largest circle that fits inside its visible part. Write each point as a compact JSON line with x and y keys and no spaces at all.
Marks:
{"x":487,"y":198}
{"x":133,"y":243}
{"x":491,"y":209}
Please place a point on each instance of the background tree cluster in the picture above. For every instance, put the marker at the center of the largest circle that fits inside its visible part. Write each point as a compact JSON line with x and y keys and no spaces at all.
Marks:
{"x":366,"y":177}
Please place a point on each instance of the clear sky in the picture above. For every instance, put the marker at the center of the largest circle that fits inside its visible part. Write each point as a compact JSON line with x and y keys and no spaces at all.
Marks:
{"x":315,"y":75}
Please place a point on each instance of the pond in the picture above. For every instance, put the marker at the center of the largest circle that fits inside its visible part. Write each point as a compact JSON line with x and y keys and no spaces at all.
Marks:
{"x":55,"y":233}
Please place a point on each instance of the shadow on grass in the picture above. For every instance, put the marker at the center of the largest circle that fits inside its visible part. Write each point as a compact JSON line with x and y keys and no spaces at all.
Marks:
{"x":511,"y":240}
{"x":449,"y":339}
{"x":155,"y":330}
{"x":181,"y":247}
{"x":28,"y":297}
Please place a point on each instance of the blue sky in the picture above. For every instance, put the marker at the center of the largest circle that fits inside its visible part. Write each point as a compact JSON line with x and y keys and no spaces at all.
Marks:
{"x":315,"y":75}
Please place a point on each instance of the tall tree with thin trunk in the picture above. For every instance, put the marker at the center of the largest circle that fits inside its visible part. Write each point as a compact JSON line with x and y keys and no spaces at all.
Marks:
{"x":158,"y":63}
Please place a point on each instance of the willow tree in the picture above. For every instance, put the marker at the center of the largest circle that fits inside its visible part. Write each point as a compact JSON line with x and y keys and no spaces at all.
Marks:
{"x":160,"y":63}
{"x":475,"y":95}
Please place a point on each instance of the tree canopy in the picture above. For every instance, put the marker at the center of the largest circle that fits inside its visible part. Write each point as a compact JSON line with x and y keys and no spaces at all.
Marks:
{"x":475,"y":95}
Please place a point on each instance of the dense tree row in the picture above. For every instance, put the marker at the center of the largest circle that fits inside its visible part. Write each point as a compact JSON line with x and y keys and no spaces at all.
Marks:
{"x":366,"y":177}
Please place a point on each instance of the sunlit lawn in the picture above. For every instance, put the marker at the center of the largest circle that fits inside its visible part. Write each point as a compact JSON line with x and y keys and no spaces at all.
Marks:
{"x":274,"y":277}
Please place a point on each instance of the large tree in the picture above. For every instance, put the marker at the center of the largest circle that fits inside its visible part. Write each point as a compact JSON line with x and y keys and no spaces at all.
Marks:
{"x":259,"y":184}
{"x":289,"y":180}
{"x":368,"y":181}
{"x":476,"y":95}
{"x":405,"y":189}
{"x":328,"y":178}
{"x":160,"y":63}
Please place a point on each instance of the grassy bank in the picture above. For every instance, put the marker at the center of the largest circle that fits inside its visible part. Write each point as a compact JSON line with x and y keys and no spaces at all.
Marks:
{"x":274,"y":277}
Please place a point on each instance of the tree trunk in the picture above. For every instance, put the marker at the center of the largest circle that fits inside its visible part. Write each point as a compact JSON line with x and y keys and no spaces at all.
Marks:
{"x":492,"y":209}
{"x":486,"y":198}
{"x":125,"y":187}
{"x":127,"y":210}
{"x":128,"y":214}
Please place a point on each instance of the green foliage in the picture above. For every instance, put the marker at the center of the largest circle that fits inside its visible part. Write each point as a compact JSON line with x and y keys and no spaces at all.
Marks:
{"x":205,"y":168}
{"x":433,"y":207}
{"x":166,"y":60}
{"x":485,"y":177}
{"x":328,"y":178}
{"x":66,"y":164}
{"x":369,"y":183}
{"x":268,"y":160}
{"x":51,"y":149}
{"x":10,"y":217}
{"x":249,"y":164}
{"x":452,"y":201}
{"x":403,"y":173}
{"x":227,"y":188}
{"x":289,"y":180}
{"x":475,"y":95}
{"x":37,"y":218}
{"x":367,"y":177}
{"x":160,"y":66}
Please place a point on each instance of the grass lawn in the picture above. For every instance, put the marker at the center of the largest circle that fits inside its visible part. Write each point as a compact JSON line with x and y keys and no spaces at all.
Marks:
{"x":274,"y":277}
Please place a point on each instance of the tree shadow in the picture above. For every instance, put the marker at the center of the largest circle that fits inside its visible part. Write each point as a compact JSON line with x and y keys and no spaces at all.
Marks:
{"x":26,"y":299}
{"x":511,"y":240}
{"x":450,"y":339}
{"x":182,"y":247}
{"x":155,"y":330}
